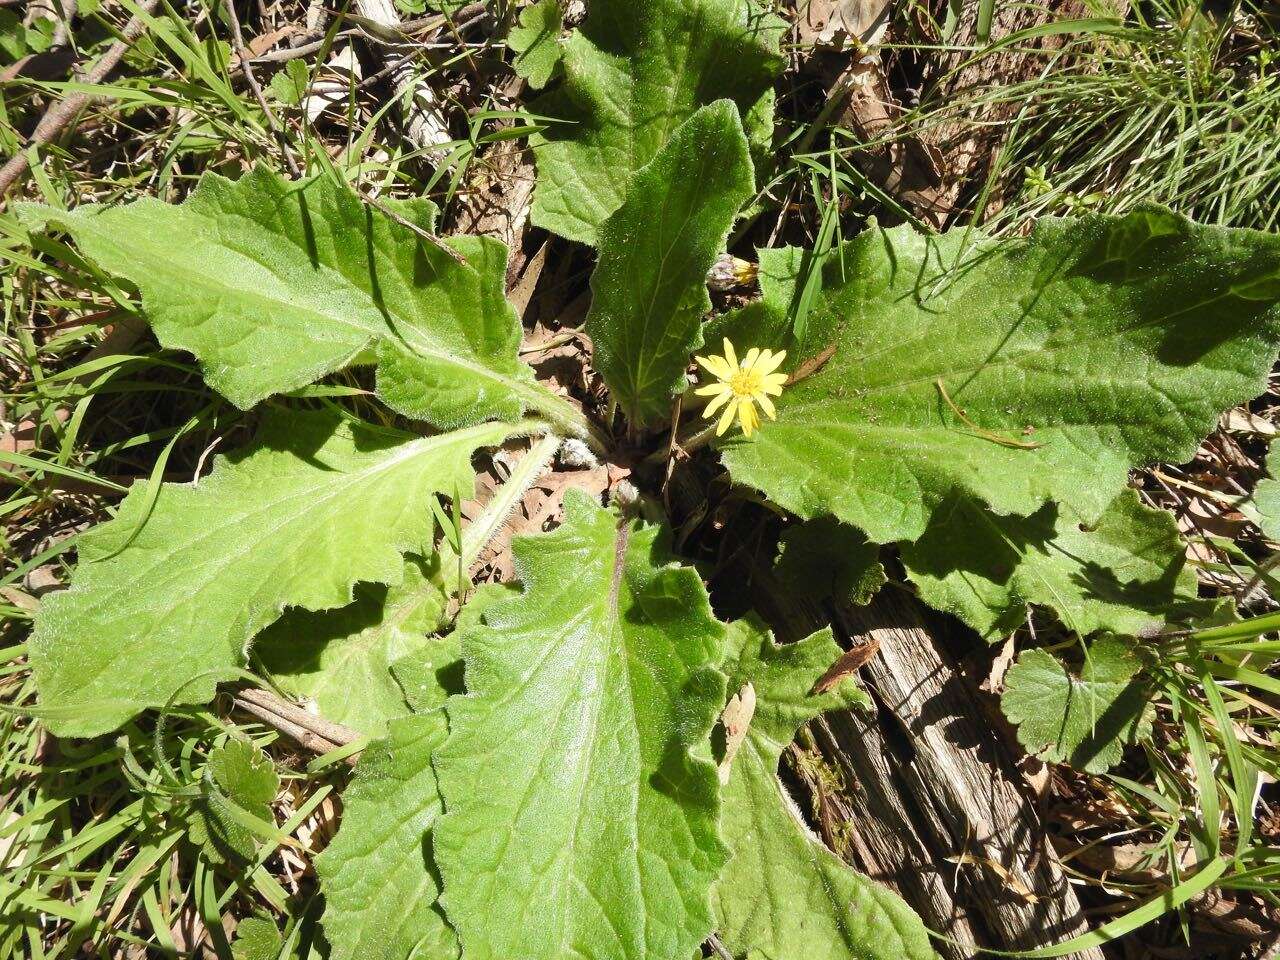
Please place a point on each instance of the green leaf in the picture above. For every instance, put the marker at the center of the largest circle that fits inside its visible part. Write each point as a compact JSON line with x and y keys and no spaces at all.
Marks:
{"x":17,"y":39}
{"x":578,"y":799}
{"x":314,"y":505}
{"x":649,"y":289}
{"x":238,"y":774}
{"x":1126,"y":573}
{"x":379,"y":884}
{"x":633,"y":74}
{"x":257,"y":938}
{"x":290,"y":85}
{"x":784,"y":895}
{"x":433,"y":673}
{"x":1265,"y":508}
{"x":340,"y":659}
{"x":536,"y":41}
{"x":1083,"y":720}
{"x":823,"y":559}
{"x":273,"y":284}
{"x":1109,"y":341}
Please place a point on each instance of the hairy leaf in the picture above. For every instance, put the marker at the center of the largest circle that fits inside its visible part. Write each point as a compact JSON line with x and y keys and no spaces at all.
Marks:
{"x":432,"y":673}
{"x":314,"y":505}
{"x":633,"y":73}
{"x":273,"y":284}
{"x":574,"y":800}
{"x":649,"y":289}
{"x":823,"y":559}
{"x":536,"y":41}
{"x":1125,"y":573}
{"x":1108,"y":341}
{"x":1086,"y":719}
{"x":379,"y":883}
{"x":238,"y":775}
{"x":340,"y":659}
{"x":257,"y":937}
{"x":1265,"y":508}
{"x":783,"y":894}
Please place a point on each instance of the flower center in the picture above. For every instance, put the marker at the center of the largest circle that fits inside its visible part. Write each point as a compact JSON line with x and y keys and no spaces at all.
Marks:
{"x":745,"y":382}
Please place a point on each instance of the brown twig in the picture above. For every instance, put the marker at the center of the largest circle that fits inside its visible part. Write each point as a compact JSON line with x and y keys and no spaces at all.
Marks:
{"x":311,"y":732}
{"x":61,"y":114}
{"x":242,"y":54}
{"x":408,"y":224}
{"x":979,"y":431}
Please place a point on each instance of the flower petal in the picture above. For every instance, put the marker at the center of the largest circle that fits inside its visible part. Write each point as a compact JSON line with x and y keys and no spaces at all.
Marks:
{"x":714,"y":405}
{"x":749,"y":360}
{"x":768,"y":364}
{"x":766,"y":405}
{"x":727,"y":417}
{"x":713,"y":389}
{"x":715,"y":366}
{"x":730,"y":357}
{"x":747,"y":416}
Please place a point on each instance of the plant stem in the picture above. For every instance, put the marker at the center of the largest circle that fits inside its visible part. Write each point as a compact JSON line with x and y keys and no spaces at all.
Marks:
{"x":485,"y":527}
{"x":695,"y":440}
{"x":567,"y":419}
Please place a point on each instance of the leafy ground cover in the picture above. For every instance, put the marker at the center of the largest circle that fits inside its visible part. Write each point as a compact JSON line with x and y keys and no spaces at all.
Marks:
{"x":394,"y":400}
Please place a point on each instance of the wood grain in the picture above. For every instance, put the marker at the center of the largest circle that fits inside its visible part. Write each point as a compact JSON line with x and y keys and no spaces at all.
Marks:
{"x":933,"y":784}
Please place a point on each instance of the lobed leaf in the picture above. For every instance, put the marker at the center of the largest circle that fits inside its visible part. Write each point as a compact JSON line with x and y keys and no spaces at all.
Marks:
{"x":536,"y":41}
{"x":1013,"y":372}
{"x":257,"y":937}
{"x":1084,"y":720}
{"x":783,"y":894}
{"x":379,"y":884}
{"x":822,"y":559}
{"x":238,"y":774}
{"x":273,"y":284}
{"x":1126,"y":573}
{"x":578,"y":802}
{"x":633,"y":73}
{"x":649,"y":289}
{"x":1264,"y":510}
{"x":340,"y":659}
{"x":162,"y":604}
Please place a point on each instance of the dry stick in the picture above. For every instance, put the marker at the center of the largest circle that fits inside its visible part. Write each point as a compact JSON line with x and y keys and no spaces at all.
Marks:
{"x":242,"y":54}
{"x":718,"y":948}
{"x":311,"y":732}
{"x":409,"y":225}
{"x":62,"y":113}
{"x":313,"y":41}
{"x":335,"y":733}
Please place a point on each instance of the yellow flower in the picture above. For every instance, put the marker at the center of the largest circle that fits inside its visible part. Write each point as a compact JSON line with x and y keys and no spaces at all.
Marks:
{"x":742,"y":385}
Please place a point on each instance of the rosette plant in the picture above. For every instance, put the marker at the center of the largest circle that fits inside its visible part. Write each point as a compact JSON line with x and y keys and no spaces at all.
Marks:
{"x":541,"y":779}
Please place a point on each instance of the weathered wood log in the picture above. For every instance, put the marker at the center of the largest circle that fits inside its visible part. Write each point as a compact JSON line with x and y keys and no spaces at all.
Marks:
{"x":937,"y":809}
{"x":969,"y":805}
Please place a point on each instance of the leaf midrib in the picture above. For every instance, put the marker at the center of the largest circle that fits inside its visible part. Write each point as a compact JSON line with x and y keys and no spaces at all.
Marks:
{"x":413,"y":450}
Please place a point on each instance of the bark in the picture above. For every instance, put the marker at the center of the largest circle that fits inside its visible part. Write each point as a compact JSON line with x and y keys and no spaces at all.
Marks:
{"x":937,"y":807}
